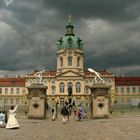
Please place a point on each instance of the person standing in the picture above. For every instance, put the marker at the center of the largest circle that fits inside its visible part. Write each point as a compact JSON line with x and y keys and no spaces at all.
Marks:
{"x":65,"y":114}
{"x":2,"y":119}
{"x":53,"y":110}
{"x":79,"y":112}
{"x":12,"y":121}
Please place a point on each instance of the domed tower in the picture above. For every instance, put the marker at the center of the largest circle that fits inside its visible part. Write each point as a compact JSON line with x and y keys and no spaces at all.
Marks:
{"x":70,"y":51}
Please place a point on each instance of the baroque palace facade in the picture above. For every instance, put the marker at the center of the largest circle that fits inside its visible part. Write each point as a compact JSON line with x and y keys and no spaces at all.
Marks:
{"x":69,"y":72}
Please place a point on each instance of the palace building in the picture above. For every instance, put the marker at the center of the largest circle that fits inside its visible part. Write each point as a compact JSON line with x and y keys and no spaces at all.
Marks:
{"x":12,"y":91}
{"x":69,"y":74}
{"x":127,"y":90}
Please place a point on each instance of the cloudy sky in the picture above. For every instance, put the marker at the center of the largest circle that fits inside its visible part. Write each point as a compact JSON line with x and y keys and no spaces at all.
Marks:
{"x":110,"y":29}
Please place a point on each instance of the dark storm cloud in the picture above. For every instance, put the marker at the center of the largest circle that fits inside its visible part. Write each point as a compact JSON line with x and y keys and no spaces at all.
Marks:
{"x":117,"y":10}
{"x":29,"y":30}
{"x":31,"y":42}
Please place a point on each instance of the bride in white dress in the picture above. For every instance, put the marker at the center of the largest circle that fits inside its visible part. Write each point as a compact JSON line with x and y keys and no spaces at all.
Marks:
{"x":12,"y":121}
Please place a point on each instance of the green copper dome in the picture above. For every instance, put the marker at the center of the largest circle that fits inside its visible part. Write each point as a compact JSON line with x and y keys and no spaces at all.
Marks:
{"x":69,"y":40}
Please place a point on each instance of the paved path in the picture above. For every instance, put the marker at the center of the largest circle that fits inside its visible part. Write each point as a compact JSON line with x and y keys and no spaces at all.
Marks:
{"x":124,"y":128}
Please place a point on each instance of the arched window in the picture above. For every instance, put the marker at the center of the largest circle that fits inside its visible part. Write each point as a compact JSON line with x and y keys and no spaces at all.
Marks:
{"x":69,"y":84}
{"x":78,"y":61}
{"x":69,"y":61}
{"x":86,"y":90}
{"x":61,"y":61}
{"x":62,"y":87}
{"x":53,"y":89}
{"x":78,"y":87}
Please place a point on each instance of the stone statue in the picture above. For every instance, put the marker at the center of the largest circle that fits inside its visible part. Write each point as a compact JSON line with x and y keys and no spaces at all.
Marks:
{"x":39,"y":76}
{"x":69,"y":90}
{"x":98,"y":79}
{"x":70,"y":93}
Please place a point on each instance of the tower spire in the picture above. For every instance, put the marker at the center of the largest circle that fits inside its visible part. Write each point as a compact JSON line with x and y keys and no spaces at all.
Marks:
{"x":69,"y":27}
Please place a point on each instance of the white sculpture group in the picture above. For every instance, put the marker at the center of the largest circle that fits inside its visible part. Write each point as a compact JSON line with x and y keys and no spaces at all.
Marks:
{"x":39,"y":76}
{"x":97,"y":78}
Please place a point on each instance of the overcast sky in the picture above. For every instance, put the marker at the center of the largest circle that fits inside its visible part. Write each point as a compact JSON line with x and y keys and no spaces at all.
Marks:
{"x":110,"y":29}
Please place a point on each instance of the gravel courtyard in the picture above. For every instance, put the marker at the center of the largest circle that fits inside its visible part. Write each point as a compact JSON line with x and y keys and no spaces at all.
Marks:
{"x":123,"y":128}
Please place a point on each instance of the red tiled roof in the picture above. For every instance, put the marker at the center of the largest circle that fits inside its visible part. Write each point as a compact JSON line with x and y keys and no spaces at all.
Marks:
{"x":46,"y":73}
{"x":127,"y":80}
{"x":51,"y":73}
{"x":12,"y":82}
{"x":34,"y":72}
{"x":88,"y":73}
{"x":102,"y":72}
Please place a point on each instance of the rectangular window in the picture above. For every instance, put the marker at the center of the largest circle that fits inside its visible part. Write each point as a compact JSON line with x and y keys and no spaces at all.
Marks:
{"x":138,"y":89}
{"x":0,"y":90}
{"x":6,"y":90}
{"x":134,"y":90}
{"x":17,"y":90}
{"x":12,"y":91}
{"x":122,"y":90}
{"x":128,"y":90}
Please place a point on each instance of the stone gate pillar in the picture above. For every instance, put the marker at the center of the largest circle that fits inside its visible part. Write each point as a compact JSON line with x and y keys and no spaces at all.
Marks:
{"x":100,"y":100}
{"x":37,"y":101}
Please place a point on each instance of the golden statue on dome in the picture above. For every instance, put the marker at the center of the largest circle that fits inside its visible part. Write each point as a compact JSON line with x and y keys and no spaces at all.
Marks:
{"x":70,"y":17}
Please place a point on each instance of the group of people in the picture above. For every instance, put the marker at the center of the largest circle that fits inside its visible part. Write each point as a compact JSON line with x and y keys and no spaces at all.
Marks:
{"x":12,"y":121}
{"x":65,"y":112}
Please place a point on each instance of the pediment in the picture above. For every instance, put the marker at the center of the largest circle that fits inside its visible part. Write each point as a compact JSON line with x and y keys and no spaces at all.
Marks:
{"x":70,"y":73}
